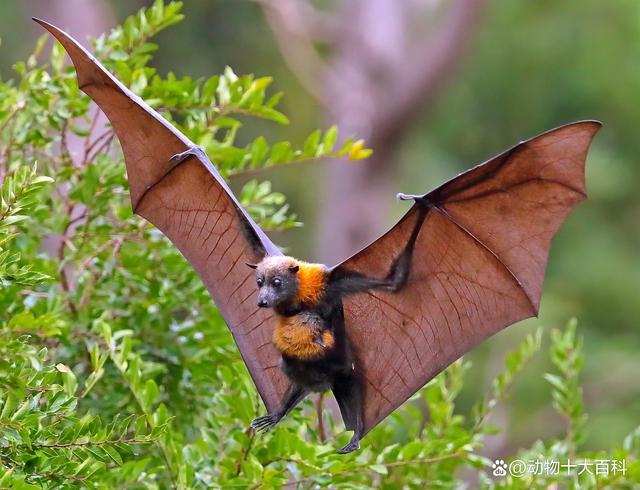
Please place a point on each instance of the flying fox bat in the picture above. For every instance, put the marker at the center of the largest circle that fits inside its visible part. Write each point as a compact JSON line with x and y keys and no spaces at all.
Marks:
{"x":464,"y":262}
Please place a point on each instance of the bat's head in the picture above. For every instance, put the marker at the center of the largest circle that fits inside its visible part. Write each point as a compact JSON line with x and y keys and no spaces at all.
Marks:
{"x":277,"y":280}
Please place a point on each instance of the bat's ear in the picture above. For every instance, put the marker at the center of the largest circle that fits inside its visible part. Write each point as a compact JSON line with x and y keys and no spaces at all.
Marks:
{"x":252,"y":266}
{"x":294,"y":269}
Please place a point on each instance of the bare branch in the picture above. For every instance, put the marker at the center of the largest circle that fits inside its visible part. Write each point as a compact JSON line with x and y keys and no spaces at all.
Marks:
{"x":427,"y":66}
{"x":316,"y":24}
{"x":290,"y":22}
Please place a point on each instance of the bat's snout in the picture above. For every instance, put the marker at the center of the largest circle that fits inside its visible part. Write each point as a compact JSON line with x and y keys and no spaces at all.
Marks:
{"x":263,"y":303}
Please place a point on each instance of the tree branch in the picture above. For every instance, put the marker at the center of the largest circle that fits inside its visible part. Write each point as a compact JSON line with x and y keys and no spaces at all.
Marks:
{"x":316,"y":24}
{"x":428,"y":64}
{"x":295,"y":25}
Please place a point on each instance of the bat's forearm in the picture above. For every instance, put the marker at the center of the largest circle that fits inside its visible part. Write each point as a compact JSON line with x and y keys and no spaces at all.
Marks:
{"x":346,"y":282}
{"x":350,"y":283}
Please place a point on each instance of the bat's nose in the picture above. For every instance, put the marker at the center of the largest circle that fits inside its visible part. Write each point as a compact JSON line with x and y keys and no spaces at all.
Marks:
{"x":262,"y":303}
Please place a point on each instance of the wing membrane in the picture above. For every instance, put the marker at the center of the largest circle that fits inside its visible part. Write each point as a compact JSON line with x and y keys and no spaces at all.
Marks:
{"x":193,"y":206}
{"x":478,"y":265}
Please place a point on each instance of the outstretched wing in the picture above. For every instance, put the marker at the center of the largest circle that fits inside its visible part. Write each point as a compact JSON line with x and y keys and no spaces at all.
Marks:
{"x":478,"y":265}
{"x":193,"y":206}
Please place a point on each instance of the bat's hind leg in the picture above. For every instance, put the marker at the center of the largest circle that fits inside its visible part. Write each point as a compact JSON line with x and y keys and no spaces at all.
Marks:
{"x":295,"y":394}
{"x":347,"y":392}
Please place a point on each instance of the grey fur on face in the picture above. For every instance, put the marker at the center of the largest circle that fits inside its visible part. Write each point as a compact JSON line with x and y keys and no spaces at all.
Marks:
{"x":277,"y":282}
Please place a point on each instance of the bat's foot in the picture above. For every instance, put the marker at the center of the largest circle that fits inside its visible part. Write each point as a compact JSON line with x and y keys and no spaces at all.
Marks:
{"x":195,"y":151}
{"x":264,"y":423}
{"x":353,"y":445}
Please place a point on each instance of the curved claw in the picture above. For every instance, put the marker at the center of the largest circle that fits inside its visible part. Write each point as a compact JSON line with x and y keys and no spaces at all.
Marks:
{"x":181,"y":157}
{"x":264,"y":423}
{"x":417,"y":198}
{"x":353,"y":445}
{"x":195,"y":151}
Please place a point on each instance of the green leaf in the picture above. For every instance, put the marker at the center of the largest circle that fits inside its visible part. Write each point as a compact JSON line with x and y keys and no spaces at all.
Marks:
{"x":310,"y":146}
{"x":329,"y":140}
{"x":10,"y":404}
{"x":380,"y":469}
{"x":113,"y":454}
{"x":150,"y":394}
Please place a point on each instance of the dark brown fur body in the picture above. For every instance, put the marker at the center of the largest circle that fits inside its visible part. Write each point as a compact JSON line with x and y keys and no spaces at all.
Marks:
{"x":310,"y":331}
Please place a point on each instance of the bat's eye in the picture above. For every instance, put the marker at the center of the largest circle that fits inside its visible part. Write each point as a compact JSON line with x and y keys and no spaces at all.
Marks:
{"x":260,"y":282}
{"x":276,"y":283}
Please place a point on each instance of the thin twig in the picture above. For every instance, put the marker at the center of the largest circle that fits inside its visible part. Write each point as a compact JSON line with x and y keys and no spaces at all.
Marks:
{"x":64,"y":279}
{"x":90,"y":147}
{"x":37,"y":294}
{"x":92,"y":126}
{"x":6,"y":153}
{"x":319,"y":409}
{"x":64,"y":146}
{"x":47,"y":475}
{"x":18,"y":107}
{"x":84,"y":214}
{"x":106,"y":245}
{"x":392,"y":464}
{"x":101,"y":148}
{"x":65,"y":445}
{"x":251,"y":433}
{"x":435,"y":459}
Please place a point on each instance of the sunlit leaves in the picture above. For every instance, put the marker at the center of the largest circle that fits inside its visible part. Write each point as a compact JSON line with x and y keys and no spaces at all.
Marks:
{"x":18,"y":198}
{"x":44,"y":440}
{"x":514,"y":363}
{"x":267,"y":207}
{"x":129,"y":44}
{"x":259,"y":156}
{"x":567,"y":357}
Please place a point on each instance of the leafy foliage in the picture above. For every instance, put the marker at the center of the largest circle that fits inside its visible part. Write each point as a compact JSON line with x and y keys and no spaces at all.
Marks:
{"x":116,"y":370}
{"x":17,"y":196}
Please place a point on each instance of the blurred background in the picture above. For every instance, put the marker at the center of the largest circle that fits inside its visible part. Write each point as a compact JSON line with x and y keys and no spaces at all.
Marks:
{"x":436,"y":86}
